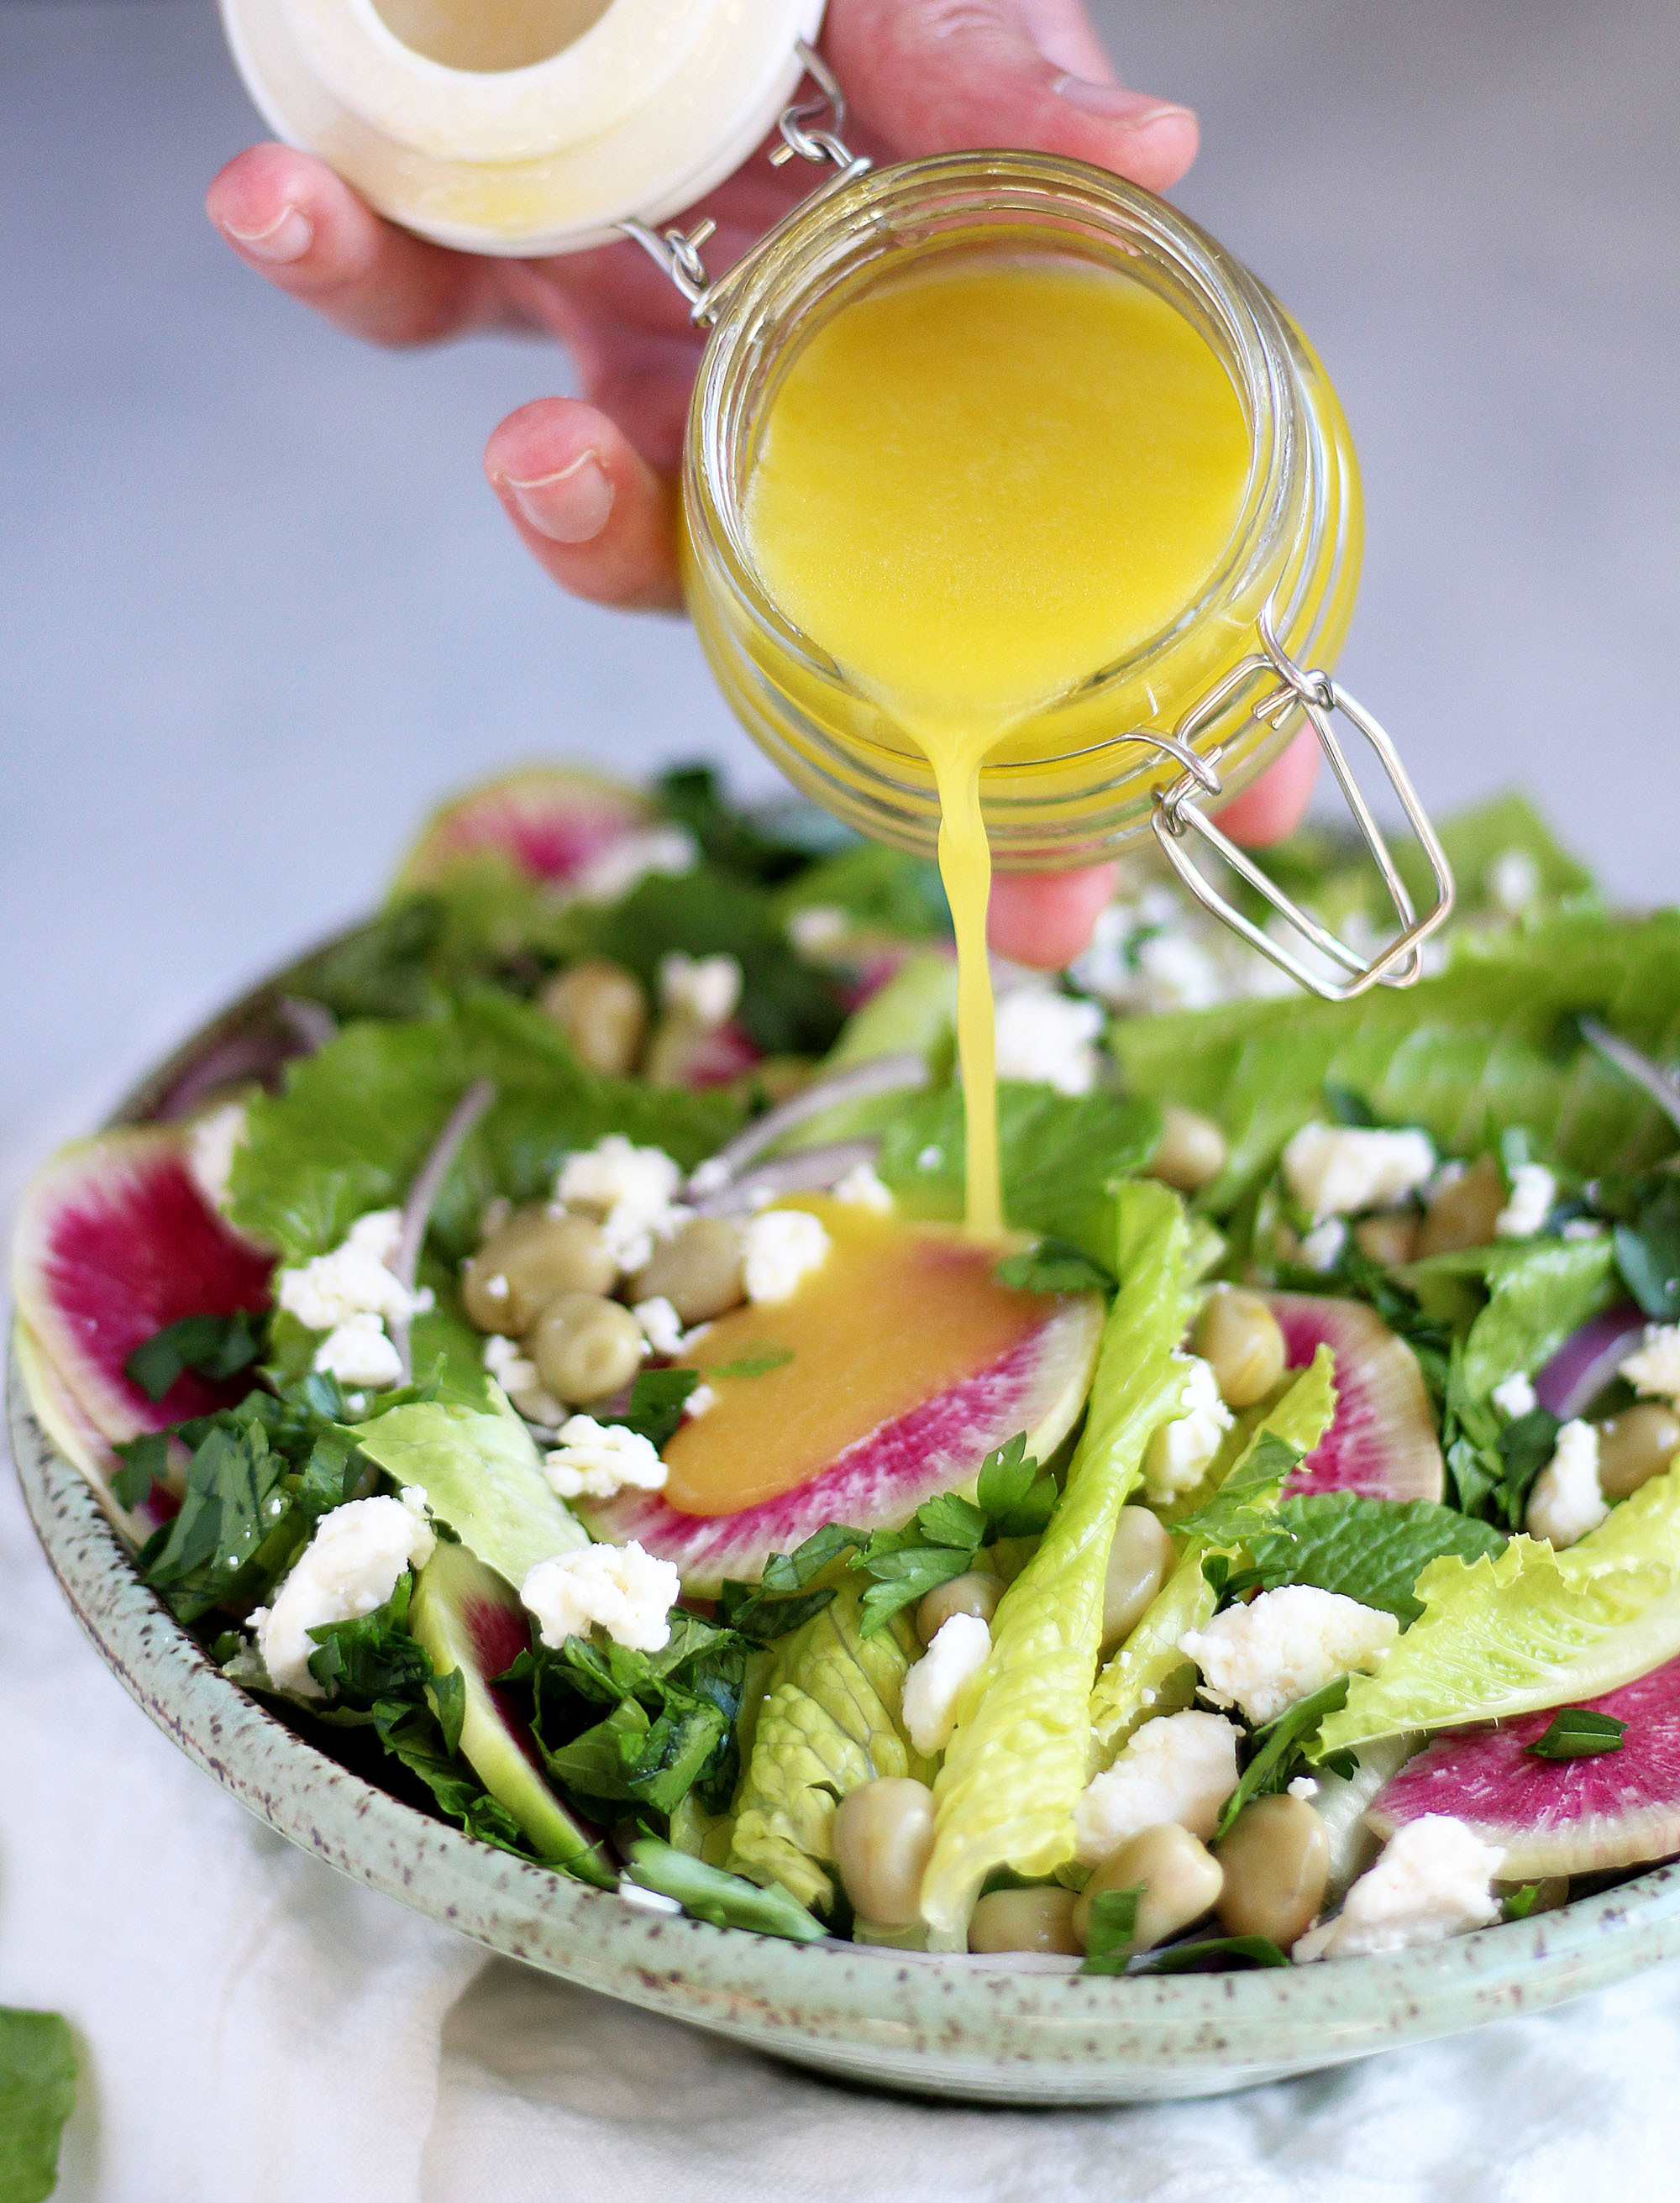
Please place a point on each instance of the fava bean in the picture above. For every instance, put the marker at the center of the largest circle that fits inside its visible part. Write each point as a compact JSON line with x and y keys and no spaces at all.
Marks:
{"x":1463,"y":1214}
{"x":585,"y":1347}
{"x":602,"y":1011}
{"x":976,"y":1592}
{"x":1634,"y":1446}
{"x":882,"y":1840}
{"x":1026,"y":1919}
{"x":1239,"y":1339}
{"x":1138,"y":1561}
{"x":1179,"y":1878}
{"x":1276,"y":1862}
{"x":698,"y":1270}
{"x":1191,"y":1151}
{"x":526,"y":1262}
{"x":1388,"y":1239}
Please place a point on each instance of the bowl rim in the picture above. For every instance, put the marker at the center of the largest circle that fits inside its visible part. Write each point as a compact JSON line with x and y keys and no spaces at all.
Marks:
{"x":943,"y":2027}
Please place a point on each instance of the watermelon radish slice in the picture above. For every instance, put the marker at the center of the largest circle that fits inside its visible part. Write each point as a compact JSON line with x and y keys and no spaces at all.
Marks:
{"x":1382,"y":1443}
{"x":700,"y":1057}
{"x":1556,"y":1816}
{"x":115,"y":1241}
{"x":468,"y":1619}
{"x":549,"y":820}
{"x":56,"y":1412}
{"x":877,"y":1482}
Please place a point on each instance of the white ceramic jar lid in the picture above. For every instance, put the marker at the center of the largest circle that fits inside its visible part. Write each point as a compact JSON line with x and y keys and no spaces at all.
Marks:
{"x":644,"y":106}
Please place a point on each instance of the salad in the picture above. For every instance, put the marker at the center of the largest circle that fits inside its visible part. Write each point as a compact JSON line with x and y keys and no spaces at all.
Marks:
{"x":537,"y":1351}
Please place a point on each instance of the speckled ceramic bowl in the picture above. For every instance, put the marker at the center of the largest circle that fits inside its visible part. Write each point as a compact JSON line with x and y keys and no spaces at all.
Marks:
{"x":963,"y":2028}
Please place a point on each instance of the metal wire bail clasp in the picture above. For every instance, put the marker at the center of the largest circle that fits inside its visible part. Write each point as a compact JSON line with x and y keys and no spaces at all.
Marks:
{"x":811,"y":131}
{"x":1176,"y":815}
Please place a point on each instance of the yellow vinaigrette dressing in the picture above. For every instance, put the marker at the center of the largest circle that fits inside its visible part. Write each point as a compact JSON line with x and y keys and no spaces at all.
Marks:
{"x":974,"y":490}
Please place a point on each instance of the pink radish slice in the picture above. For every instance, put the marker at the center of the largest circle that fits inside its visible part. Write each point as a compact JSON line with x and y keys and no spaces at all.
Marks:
{"x":114,"y":1242}
{"x":1382,"y":1442}
{"x":1555,"y":1815}
{"x":56,"y":1410}
{"x":714,"y":1057}
{"x":548,"y":820}
{"x":879,"y":1481}
{"x":1587,"y":1360}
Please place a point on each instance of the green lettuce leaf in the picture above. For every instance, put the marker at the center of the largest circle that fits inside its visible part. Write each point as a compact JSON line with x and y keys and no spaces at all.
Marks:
{"x":1371,"y":1549}
{"x":876,"y":886}
{"x":1527,"y":1627}
{"x":356,"y":1121}
{"x":1062,"y":1159}
{"x":1149,"y":1676}
{"x":1019,"y":1755}
{"x":1538,"y":1291}
{"x":1490,"y":1041}
{"x":483,"y":1475}
{"x":828,"y":1721}
{"x":916,"y":1013}
{"x":1271,"y":1447}
{"x":37,"y":2090}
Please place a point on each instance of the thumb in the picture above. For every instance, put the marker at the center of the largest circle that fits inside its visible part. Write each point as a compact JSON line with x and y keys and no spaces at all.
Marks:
{"x":942,"y":76}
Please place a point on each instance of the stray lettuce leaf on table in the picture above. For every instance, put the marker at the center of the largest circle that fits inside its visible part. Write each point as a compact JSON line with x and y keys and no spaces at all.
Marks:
{"x":37,"y":2092}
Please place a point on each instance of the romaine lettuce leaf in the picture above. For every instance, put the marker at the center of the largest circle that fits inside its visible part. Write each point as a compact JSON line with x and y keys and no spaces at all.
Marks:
{"x":1061,"y":1159}
{"x":916,"y":1011}
{"x":356,"y":1121}
{"x":829,"y":1720}
{"x":1527,"y":1627}
{"x":1490,"y":1041}
{"x":1149,"y":1676}
{"x":1263,"y":1449}
{"x":1538,"y":1291}
{"x":876,"y":886}
{"x":1019,"y":1755}
{"x":483,"y":1475}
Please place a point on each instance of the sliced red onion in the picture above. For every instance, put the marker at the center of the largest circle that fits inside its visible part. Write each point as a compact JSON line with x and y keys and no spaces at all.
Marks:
{"x":1587,"y":1360}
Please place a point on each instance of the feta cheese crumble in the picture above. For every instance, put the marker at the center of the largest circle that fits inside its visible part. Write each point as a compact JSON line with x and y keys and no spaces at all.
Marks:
{"x":1321,"y":1249}
{"x":1432,"y":1880}
{"x":1178,"y":1767}
{"x":707,"y":988}
{"x":1338,"y":1170}
{"x":669,"y":849}
{"x":594,"y":1460}
{"x":861,"y":1189}
{"x":358,"y":1353}
{"x":1180,"y":1451}
{"x":349,"y":1568}
{"x":631,"y":1190}
{"x":1283,"y":1646}
{"x":1533,"y":1191}
{"x":1653,"y":1367}
{"x":824,"y":926}
{"x":1512,"y":882}
{"x":933,"y":1686}
{"x":210,"y":1153}
{"x":520,"y":1381}
{"x":699,"y":1402}
{"x":354,"y":1279}
{"x":780,"y":1249}
{"x":1514,"y":1395}
{"x":1046,"y":1039}
{"x":626,"y":1591}
{"x":1567,"y":1499}
{"x":662,"y":1325}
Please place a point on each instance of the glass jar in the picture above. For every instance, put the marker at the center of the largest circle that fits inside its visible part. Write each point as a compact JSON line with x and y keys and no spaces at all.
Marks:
{"x":1074,"y":782}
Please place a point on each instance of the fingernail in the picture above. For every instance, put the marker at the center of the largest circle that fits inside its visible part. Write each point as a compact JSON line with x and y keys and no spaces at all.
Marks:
{"x":1115,"y":103}
{"x":571,"y":507}
{"x":287,"y":237}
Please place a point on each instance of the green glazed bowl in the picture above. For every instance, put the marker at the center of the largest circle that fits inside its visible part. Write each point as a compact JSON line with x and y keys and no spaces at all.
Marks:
{"x":996,"y":2031}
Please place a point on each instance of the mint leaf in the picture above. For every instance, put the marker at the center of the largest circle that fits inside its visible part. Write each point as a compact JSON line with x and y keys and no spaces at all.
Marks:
{"x":1216,"y":1951}
{"x":1111,"y":1928}
{"x":37,"y":2091}
{"x":234,"y":1517}
{"x":1578,"y":1733}
{"x":1275,"y":1762}
{"x":216,"y":1347}
{"x":1054,"y":1266}
{"x":655,"y":1409}
{"x":1371,"y":1549}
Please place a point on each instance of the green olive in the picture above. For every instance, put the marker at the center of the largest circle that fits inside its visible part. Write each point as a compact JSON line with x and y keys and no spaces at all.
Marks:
{"x":698,"y":1270}
{"x":602,"y":1011}
{"x":1179,"y":1878}
{"x":975,"y":1593}
{"x":1276,"y":1862}
{"x":1191,"y":1151}
{"x":1239,"y":1339}
{"x":1026,"y":1919}
{"x":528,"y":1260}
{"x":1634,"y":1446}
{"x":882,"y":1838}
{"x":1464,"y":1212}
{"x":1390,"y":1238}
{"x":585,"y":1347}
{"x":1138,"y":1560}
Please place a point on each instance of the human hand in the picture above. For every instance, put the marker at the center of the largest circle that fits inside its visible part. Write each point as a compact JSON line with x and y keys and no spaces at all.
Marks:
{"x":588,"y":482}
